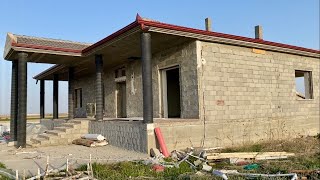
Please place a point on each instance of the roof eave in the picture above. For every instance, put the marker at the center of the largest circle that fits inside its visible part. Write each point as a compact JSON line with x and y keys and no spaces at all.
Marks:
{"x":166,"y":28}
{"x":50,"y":70}
{"x":235,"y":42}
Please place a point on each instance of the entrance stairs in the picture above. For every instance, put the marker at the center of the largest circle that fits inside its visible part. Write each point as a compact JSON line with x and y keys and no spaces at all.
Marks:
{"x":62,"y":135}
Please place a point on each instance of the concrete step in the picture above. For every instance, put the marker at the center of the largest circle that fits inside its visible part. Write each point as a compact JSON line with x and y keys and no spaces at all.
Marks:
{"x":48,"y":136}
{"x":75,"y":121}
{"x":64,"y":129}
{"x":55,"y":132}
{"x":71,"y":125}
{"x":38,"y":140}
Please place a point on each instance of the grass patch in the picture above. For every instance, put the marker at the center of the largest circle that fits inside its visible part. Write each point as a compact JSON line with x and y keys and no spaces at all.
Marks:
{"x":135,"y":170}
{"x":307,"y":145}
{"x":307,"y":156}
{"x":2,"y":165}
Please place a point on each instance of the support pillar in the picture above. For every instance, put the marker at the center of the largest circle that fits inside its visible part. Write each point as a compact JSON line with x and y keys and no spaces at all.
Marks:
{"x":14,"y":101}
{"x":99,"y":87}
{"x":42,"y":95}
{"x":55,"y":96}
{"x":22,"y":100}
{"x":70,"y":93}
{"x":147,"y":77}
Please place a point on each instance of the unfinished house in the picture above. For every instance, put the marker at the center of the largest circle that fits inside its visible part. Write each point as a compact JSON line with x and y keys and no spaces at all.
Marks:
{"x":202,"y":88}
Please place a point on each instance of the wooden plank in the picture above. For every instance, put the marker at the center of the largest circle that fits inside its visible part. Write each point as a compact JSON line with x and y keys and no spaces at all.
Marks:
{"x":248,"y":155}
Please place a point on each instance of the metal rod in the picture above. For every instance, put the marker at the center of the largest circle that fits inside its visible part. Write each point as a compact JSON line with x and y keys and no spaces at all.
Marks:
{"x":147,"y":77}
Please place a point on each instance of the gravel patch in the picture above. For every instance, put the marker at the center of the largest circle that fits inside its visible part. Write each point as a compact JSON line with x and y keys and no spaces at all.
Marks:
{"x":30,"y":159}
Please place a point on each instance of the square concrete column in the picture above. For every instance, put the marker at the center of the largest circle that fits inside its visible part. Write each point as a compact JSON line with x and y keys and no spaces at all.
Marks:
{"x":147,"y":77}
{"x":99,"y":87}
{"x":55,"y":96}
{"x":258,"y":32}
{"x":22,"y":100}
{"x":14,"y":101}
{"x":70,"y":93}
{"x":42,"y":99}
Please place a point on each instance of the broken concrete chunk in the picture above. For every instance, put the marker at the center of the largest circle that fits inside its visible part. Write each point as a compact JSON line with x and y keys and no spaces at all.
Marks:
{"x":155,"y":152}
{"x":206,"y":167}
{"x":197,"y":162}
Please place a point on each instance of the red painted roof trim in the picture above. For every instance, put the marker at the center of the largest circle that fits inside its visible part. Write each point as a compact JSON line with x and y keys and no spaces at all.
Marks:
{"x":45,"y":47}
{"x":143,"y":23}
{"x":222,"y":35}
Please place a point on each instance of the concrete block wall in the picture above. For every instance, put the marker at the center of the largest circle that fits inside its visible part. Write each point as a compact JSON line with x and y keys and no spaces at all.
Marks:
{"x":88,"y":84}
{"x":124,"y":134}
{"x":183,"y":55}
{"x":250,"y":96}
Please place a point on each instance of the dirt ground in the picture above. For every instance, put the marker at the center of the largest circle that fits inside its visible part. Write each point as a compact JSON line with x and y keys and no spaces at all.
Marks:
{"x":30,"y":159}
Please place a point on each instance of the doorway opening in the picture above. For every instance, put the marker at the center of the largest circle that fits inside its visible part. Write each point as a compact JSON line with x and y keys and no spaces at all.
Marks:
{"x":121,"y":100}
{"x":171,"y":92}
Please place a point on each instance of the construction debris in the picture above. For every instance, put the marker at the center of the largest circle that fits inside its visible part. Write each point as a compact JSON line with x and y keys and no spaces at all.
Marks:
{"x":155,"y":152}
{"x":94,"y":137}
{"x":200,"y":159}
{"x":91,"y":140}
{"x":84,"y":142}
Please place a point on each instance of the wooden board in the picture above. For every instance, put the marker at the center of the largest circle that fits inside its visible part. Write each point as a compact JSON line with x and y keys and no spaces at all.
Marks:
{"x":250,"y":155}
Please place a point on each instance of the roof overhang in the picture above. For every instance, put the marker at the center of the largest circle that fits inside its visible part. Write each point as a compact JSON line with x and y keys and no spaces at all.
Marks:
{"x":43,"y":50}
{"x":68,"y":53}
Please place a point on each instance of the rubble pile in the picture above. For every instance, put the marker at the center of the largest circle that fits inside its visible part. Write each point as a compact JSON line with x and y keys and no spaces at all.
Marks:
{"x":91,"y":140}
{"x":203,"y":160}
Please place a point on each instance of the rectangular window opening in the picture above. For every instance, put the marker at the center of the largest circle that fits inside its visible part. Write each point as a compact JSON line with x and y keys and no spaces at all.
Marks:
{"x":303,"y":80}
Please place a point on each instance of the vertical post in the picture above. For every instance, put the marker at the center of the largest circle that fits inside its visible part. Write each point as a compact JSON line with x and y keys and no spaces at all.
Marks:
{"x":70,"y":93}
{"x":22,"y":100}
{"x":14,"y":101}
{"x":55,"y":96}
{"x":147,"y":77}
{"x":307,"y":84}
{"x":258,"y":32}
{"x":42,"y":95}
{"x":208,"y":24}
{"x":99,"y":87}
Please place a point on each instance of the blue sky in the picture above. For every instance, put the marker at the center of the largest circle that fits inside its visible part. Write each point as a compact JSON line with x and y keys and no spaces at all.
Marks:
{"x":293,"y":22}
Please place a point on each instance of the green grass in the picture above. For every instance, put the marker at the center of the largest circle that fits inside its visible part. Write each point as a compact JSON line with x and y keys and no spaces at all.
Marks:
{"x":137,"y":170}
{"x":2,"y":177}
{"x":307,"y":156}
{"x":2,"y":165}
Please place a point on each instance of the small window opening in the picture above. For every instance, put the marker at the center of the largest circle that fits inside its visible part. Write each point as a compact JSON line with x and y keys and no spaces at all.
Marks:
{"x":78,"y":98}
{"x":120,"y":72}
{"x":303,"y":80}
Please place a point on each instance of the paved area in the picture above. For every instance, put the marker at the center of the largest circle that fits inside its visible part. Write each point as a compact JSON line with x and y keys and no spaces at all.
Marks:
{"x":30,"y":159}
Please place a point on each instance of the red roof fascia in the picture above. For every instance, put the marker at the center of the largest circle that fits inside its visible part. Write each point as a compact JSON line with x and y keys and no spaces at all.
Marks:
{"x":112,"y":36}
{"x":222,"y":35}
{"x":44,"y":47}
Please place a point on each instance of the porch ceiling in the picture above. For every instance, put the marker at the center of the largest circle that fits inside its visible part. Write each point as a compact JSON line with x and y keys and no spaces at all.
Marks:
{"x":115,"y":54}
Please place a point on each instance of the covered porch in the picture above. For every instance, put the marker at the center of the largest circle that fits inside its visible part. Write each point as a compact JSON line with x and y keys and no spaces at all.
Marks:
{"x":77,"y":60}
